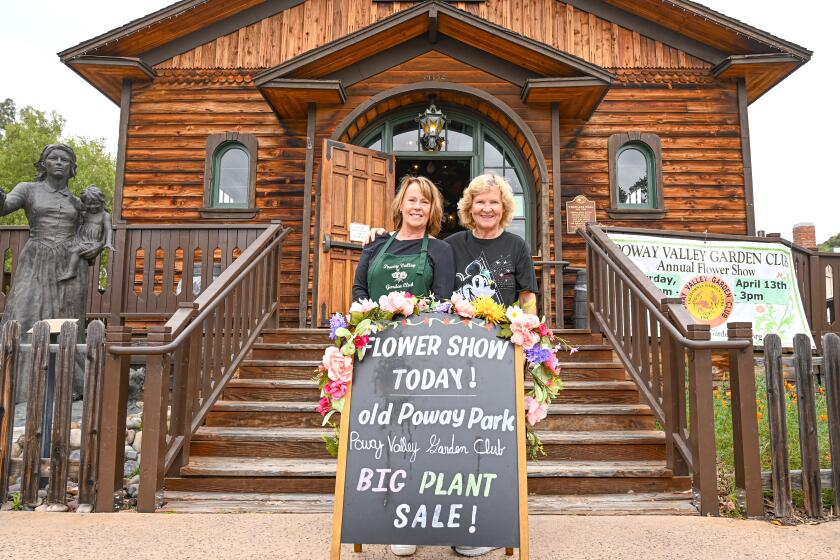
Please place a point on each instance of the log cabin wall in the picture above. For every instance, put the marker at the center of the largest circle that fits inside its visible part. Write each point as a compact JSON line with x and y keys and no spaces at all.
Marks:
{"x":659,"y":90}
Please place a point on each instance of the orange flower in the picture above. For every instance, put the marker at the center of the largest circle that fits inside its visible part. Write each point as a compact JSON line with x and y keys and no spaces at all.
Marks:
{"x":759,"y":415}
{"x":822,"y":390}
{"x":823,"y":417}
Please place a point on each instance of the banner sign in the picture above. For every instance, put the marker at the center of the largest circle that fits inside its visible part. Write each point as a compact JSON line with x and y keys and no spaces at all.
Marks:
{"x":723,"y":281}
{"x":430,"y":448}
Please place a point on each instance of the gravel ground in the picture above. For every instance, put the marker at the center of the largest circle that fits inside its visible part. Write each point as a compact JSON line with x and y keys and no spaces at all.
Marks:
{"x":277,"y":536}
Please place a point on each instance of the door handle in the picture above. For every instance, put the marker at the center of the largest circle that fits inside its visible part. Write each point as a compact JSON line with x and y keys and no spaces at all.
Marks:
{"x":330,"y":244}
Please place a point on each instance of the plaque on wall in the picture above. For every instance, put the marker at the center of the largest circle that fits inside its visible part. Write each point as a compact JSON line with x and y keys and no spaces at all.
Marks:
{"x":579,"y":212}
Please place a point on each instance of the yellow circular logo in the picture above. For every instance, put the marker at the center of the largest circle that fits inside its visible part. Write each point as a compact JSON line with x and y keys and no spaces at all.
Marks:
{"x":708,"y":298}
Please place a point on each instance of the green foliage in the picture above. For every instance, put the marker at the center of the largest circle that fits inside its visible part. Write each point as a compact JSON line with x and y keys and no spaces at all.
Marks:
{"x":26,"y":132}
{"x":829,"y":244}
{"x":331,"y":441}
{"x":724,"y":436}
{"x":17,"y":504}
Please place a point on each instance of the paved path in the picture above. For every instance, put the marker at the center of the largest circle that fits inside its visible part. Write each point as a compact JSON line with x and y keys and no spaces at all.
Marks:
{"x":279,"y":536}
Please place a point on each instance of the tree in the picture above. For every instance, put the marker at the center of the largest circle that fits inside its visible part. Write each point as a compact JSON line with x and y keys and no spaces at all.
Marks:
{"x":26,"y":132}
{"x":829,"y":244}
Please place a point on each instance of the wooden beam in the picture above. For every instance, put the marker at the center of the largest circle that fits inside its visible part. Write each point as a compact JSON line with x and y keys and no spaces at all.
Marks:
{"x":307,"y":216}
{"x":558,"y":216}
{"x":746,"y":155}
{"x":125,"y":110}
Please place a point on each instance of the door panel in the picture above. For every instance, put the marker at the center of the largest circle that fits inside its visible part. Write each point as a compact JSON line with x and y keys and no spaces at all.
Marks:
{"x":357,"y":186}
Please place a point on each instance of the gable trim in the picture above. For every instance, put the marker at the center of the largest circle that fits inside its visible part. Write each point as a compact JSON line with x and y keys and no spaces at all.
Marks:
{"x":614,"y":14}
{"x":217,"y":29}
{"x":433,"y":10}
{"x":421,"y":45}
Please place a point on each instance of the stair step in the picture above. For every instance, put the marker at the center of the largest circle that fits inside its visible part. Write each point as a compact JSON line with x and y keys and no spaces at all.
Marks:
{"x":248,"y":389}
{"x":653,"y":503}
{"x":260,"y":466}
{"x":283,"y":442}
{"x":303,"y":414}
{"x":295,"y":350}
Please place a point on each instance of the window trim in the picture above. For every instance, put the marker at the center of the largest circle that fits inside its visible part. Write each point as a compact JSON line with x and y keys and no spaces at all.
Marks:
{"x":653,"y":146}
{"x":217,"y":144}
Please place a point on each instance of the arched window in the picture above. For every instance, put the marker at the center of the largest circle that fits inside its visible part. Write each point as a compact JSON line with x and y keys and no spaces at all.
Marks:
{"x":635,"y":176}
{"x":469,"y":142}
{"x":230,"y":176}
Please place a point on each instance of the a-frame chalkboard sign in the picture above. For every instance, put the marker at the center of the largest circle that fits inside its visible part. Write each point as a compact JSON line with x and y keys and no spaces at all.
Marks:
{"x":432,"y":442}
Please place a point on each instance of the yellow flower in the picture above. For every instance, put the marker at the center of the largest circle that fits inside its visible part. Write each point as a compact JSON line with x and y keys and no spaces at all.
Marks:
{"x":487,"y":308}
{"x":823,"y":417}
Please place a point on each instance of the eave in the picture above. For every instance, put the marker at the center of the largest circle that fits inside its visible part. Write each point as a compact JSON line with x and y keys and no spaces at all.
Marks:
{"x":761,"y":72}
{"x":107,"y":73}
{"x":577,"y":98}
{"x":290,"y":98}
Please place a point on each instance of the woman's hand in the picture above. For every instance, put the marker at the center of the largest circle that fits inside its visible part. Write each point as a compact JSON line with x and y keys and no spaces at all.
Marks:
{"x":373,"y":234}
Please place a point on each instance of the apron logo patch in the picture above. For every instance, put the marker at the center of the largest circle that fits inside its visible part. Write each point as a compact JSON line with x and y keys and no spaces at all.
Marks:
{"x":399,"y":275}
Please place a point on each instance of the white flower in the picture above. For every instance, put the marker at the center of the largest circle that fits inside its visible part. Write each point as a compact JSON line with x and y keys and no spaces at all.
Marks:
{"x":513,"y":313}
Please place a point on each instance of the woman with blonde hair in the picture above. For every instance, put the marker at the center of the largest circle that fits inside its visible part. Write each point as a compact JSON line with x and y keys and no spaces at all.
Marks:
{"x":489,"y":261}
{"x":410,"y":260}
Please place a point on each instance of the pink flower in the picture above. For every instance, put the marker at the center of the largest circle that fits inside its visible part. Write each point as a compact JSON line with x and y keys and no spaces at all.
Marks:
{"x":339,"y":367}
{"x":543,"y":330}
{"x":573,"y":350}
{"x":397,"y":302}
{"x":535,"y":411}
{"x":363,"y":306}
{"x":324,"y":406}
{"x":552,"y":363}
{"x":335,"y":389}
{"x":462,"y":307}
{"x":523,"y":336}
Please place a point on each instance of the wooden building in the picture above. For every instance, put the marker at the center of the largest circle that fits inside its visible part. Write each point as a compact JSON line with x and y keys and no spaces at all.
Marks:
{"x":565,"y":98}
{"x":237,"y":113}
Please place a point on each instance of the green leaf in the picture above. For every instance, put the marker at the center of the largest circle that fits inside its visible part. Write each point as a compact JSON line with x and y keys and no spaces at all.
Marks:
{"x":343,"y":333}
{"x":362,"y":328}
{"x":360,"y":353}
{"x":355,"y":317}
{"x":348,"y":349}
{"x":505,"y":332}
{"x":338,"y":404}
{"x":327,"y":417}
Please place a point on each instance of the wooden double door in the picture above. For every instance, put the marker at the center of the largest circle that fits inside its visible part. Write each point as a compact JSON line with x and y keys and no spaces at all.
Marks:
{"x":357,"y":187}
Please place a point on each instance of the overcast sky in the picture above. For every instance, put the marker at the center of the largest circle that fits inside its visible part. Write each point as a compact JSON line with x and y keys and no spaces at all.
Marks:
{"x":794,"y":158}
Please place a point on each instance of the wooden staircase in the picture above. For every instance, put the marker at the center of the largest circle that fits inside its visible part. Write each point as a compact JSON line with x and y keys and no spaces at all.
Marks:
{"x":261,"y":448}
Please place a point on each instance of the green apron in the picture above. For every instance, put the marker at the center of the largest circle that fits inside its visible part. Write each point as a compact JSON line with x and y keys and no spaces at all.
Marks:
{"x":400,"y":273}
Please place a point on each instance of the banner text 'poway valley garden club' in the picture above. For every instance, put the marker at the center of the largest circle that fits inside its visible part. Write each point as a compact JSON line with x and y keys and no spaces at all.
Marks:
{"x":724,"y":281}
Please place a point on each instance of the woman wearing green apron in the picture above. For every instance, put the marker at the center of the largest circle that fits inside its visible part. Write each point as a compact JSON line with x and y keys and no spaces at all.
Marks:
{"x":411,"y":260}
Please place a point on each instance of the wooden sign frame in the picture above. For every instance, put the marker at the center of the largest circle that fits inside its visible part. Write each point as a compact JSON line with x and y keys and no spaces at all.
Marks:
{"x":522,"y":465}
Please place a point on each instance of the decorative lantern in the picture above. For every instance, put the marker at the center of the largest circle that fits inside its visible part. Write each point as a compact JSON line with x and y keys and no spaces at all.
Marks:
{"x":432,"y":122}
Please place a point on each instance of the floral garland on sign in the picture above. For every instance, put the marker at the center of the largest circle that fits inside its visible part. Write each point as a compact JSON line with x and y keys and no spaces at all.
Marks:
{"x":351,"y":334}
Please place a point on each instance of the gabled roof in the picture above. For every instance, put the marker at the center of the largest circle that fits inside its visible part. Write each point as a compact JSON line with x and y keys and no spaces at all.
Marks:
{"x":578,"y":85}
{"x":683,"y":24}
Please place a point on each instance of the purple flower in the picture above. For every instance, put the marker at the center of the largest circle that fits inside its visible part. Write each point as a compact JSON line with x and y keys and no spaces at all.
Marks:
{"x":443,"y":307}
{"x":537,"y":354}
{"x":336,"y":322}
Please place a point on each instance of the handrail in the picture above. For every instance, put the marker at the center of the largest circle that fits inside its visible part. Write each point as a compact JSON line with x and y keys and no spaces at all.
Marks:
{"x":669,"y":357}
{"x":181,"y":319}
{"x":191,"y":358}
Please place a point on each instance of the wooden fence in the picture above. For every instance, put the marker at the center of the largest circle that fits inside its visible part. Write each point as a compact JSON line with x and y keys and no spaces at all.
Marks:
{"x":158,"y":266}
{"x":58,"y":376}
{"x":811,"y":479}
{"x":669,"y":356}
{"x":188,"y":362}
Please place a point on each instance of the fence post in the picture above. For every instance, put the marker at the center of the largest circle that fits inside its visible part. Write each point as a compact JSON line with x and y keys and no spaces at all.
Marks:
{"x":9,"y":347}
{"x":745,"y":422}
{"x":702,"y":420}
{"x":112,"y":421}
{"x":155,"y":402}
{"x":809,"y":450}
{"x":88,"y":461}
{"x":594,"y":289}
{"x":831,"y":366}
{"x":777,"y":419}
{"x":35,"y":414}
{"x":60,"y":440}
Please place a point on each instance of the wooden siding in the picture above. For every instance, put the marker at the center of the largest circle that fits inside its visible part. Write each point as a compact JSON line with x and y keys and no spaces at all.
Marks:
{"x":168,"y":128}
{"x":315,"y":22}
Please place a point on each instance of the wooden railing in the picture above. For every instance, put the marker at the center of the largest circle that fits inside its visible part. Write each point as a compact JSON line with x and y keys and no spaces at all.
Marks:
{"x":188,"y":362}
{"x":669,"y":356}
{"x":810,"y":478}
{"x":159,"y":266}
{"x":49,"y":401}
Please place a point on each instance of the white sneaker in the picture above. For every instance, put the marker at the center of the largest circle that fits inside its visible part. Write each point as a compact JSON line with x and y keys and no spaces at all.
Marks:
{"x":472,"y":551}
{"x":403,"y":549}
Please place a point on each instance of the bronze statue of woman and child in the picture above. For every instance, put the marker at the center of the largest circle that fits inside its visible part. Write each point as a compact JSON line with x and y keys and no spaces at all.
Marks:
{"x":66,"y":234}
